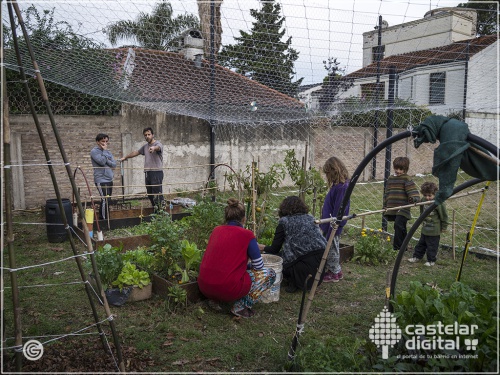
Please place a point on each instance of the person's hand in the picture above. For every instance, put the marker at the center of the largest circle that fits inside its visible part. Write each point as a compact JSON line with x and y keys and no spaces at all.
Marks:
{"x":261,"y":247}
{"x":123,"y":159}
{"x":152,"y":149}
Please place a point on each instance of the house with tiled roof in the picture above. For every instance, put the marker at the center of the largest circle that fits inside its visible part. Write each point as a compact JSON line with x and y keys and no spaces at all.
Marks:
{"x":440,"y":64}
{"x":172,"y":82}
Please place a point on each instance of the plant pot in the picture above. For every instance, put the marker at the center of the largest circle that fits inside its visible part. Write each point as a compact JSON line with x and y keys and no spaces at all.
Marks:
{"x":117,"y":297}
{"x":140,"y":294}
{"x":161,"y":285}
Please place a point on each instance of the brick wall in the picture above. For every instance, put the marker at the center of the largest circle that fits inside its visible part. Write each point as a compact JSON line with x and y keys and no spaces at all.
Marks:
{"x":187,"y":151}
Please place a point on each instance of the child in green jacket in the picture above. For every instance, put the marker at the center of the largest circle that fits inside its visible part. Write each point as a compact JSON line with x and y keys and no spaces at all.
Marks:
{"x":432,"y":227}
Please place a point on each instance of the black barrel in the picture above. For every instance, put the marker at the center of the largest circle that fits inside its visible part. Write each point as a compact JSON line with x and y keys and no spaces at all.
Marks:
{"x":53,"y":216}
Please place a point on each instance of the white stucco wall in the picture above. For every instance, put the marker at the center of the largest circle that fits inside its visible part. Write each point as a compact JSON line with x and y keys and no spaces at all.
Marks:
{"x":439,"y":30}
{"x":482,"y":81}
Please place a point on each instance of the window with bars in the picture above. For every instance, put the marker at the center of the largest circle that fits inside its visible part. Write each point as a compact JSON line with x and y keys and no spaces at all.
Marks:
{"x":437,"y":86}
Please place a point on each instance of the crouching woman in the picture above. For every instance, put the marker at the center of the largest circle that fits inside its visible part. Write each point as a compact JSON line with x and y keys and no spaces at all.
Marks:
{"x":232,"y":268}
{"x":299,"y":242}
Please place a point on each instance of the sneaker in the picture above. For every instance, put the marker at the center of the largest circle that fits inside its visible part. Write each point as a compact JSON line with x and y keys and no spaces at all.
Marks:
{"x":244,"y":313}
{"x":413,"y":260}
{"x":430,"y":264}
{"x":340,"y":275}
{"x":214,"y":305}
{"x":331,"y":277}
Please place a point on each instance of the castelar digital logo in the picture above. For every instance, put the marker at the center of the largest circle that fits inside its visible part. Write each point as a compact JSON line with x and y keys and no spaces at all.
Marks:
{"x":385,"y":332}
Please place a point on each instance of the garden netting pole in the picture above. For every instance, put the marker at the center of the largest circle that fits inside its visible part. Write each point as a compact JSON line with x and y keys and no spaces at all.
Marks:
{"x":7,"y":177}
{"x":470,"y":233}
{"x":390,"y":122}
{"x":68,"y":170}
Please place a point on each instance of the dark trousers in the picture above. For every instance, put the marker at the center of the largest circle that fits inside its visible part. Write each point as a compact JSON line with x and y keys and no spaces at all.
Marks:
{"x":105,"y":189}
{"x":154,"y":180}
{"x":296,"y":272}
{"x":429,"y":244}
{"x":400,"y":231}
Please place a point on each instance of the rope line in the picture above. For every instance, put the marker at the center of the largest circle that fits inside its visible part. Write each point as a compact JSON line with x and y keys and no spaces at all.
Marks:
{"x":353,"y":216}
{"x":44,"y":264}
{"x":59,"y":337}
{"x":44,"y":285}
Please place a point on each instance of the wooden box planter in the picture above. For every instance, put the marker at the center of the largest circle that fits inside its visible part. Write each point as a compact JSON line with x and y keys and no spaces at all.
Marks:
{"x":129,"y":243}
{"x":161,"y":285}
{"x":346,"y":252}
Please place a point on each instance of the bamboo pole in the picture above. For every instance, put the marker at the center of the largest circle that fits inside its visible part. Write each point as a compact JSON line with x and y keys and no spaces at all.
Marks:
{"x":453,"y":232}
{"x":302,"y":188}
{"x":18,"y":341}
{"x":14,"y":6}
{"x":254,"y":198}
{"x":327,"y":220}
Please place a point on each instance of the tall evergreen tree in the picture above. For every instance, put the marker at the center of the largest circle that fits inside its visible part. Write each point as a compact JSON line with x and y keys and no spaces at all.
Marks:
{"x":487,"y":16}
{"x":333,"y":84}
{"x":261,"y":54}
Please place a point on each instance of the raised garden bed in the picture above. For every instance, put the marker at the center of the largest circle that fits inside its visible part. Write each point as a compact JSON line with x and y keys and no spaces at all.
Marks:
{"x":346,"y":252}
{"x":161,"y":285}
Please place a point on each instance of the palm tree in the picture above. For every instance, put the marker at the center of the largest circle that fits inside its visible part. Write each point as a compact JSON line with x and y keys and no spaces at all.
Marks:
{"x":153,"y":31}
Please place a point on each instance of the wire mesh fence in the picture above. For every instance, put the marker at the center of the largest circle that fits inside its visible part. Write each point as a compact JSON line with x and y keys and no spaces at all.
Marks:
{"x":242,"y":66}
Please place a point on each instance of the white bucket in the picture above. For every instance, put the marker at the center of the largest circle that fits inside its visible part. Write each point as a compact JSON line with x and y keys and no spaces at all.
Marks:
{"x":276,"y":263}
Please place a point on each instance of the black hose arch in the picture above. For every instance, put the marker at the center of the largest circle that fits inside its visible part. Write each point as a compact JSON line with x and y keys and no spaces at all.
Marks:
{"x":362,"y":166}
{"x":470,"y":137}
{"x":483,"y":143}
{"x":414,"y":228}
{"x":355,"y":176}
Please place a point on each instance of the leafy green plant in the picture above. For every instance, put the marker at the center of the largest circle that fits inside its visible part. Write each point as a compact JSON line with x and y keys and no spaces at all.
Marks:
{"x":308,"y":181}
{"x":325,"y":356}
{"x":205,"y":216}
{"x":373,"y":247}
{"x":141,"y":257}
{"x":426,"y":304}
{"x":264,"y":181}
{"x":359,"y":112}
{"x":109,"y":263}
{"x":192,"y":257}
{"x":131,"y":276}
{"x":165,"y":246}
{"x":177,"y":296}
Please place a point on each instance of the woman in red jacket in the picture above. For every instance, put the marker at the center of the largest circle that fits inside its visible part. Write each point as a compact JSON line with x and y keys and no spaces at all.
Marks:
{"x":232,"y":268}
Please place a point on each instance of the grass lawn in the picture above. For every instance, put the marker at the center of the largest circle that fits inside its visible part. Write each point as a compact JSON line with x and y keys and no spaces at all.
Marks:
{"x":157,"y":336}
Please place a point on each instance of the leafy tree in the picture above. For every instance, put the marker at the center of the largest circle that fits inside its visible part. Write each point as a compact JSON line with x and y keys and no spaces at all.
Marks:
{"x":487,"y":15}
{"x":261,"y":54}
{"x":46,"y":33}
{"x":54,"y":44}
{"x":333,"y":83}
{"x":153,"y":31}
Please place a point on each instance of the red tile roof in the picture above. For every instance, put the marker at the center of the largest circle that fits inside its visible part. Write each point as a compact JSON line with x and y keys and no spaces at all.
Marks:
{"x":168,"y":76}
{"x":439,"y":55}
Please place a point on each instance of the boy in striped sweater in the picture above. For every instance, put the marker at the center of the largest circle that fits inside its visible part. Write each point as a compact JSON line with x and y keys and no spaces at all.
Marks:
{"x":400,"y":190}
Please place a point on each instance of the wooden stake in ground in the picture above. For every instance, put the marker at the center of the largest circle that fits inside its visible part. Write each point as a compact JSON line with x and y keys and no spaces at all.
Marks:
{"x":303,"y":314}
{"x":453,"y":233}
